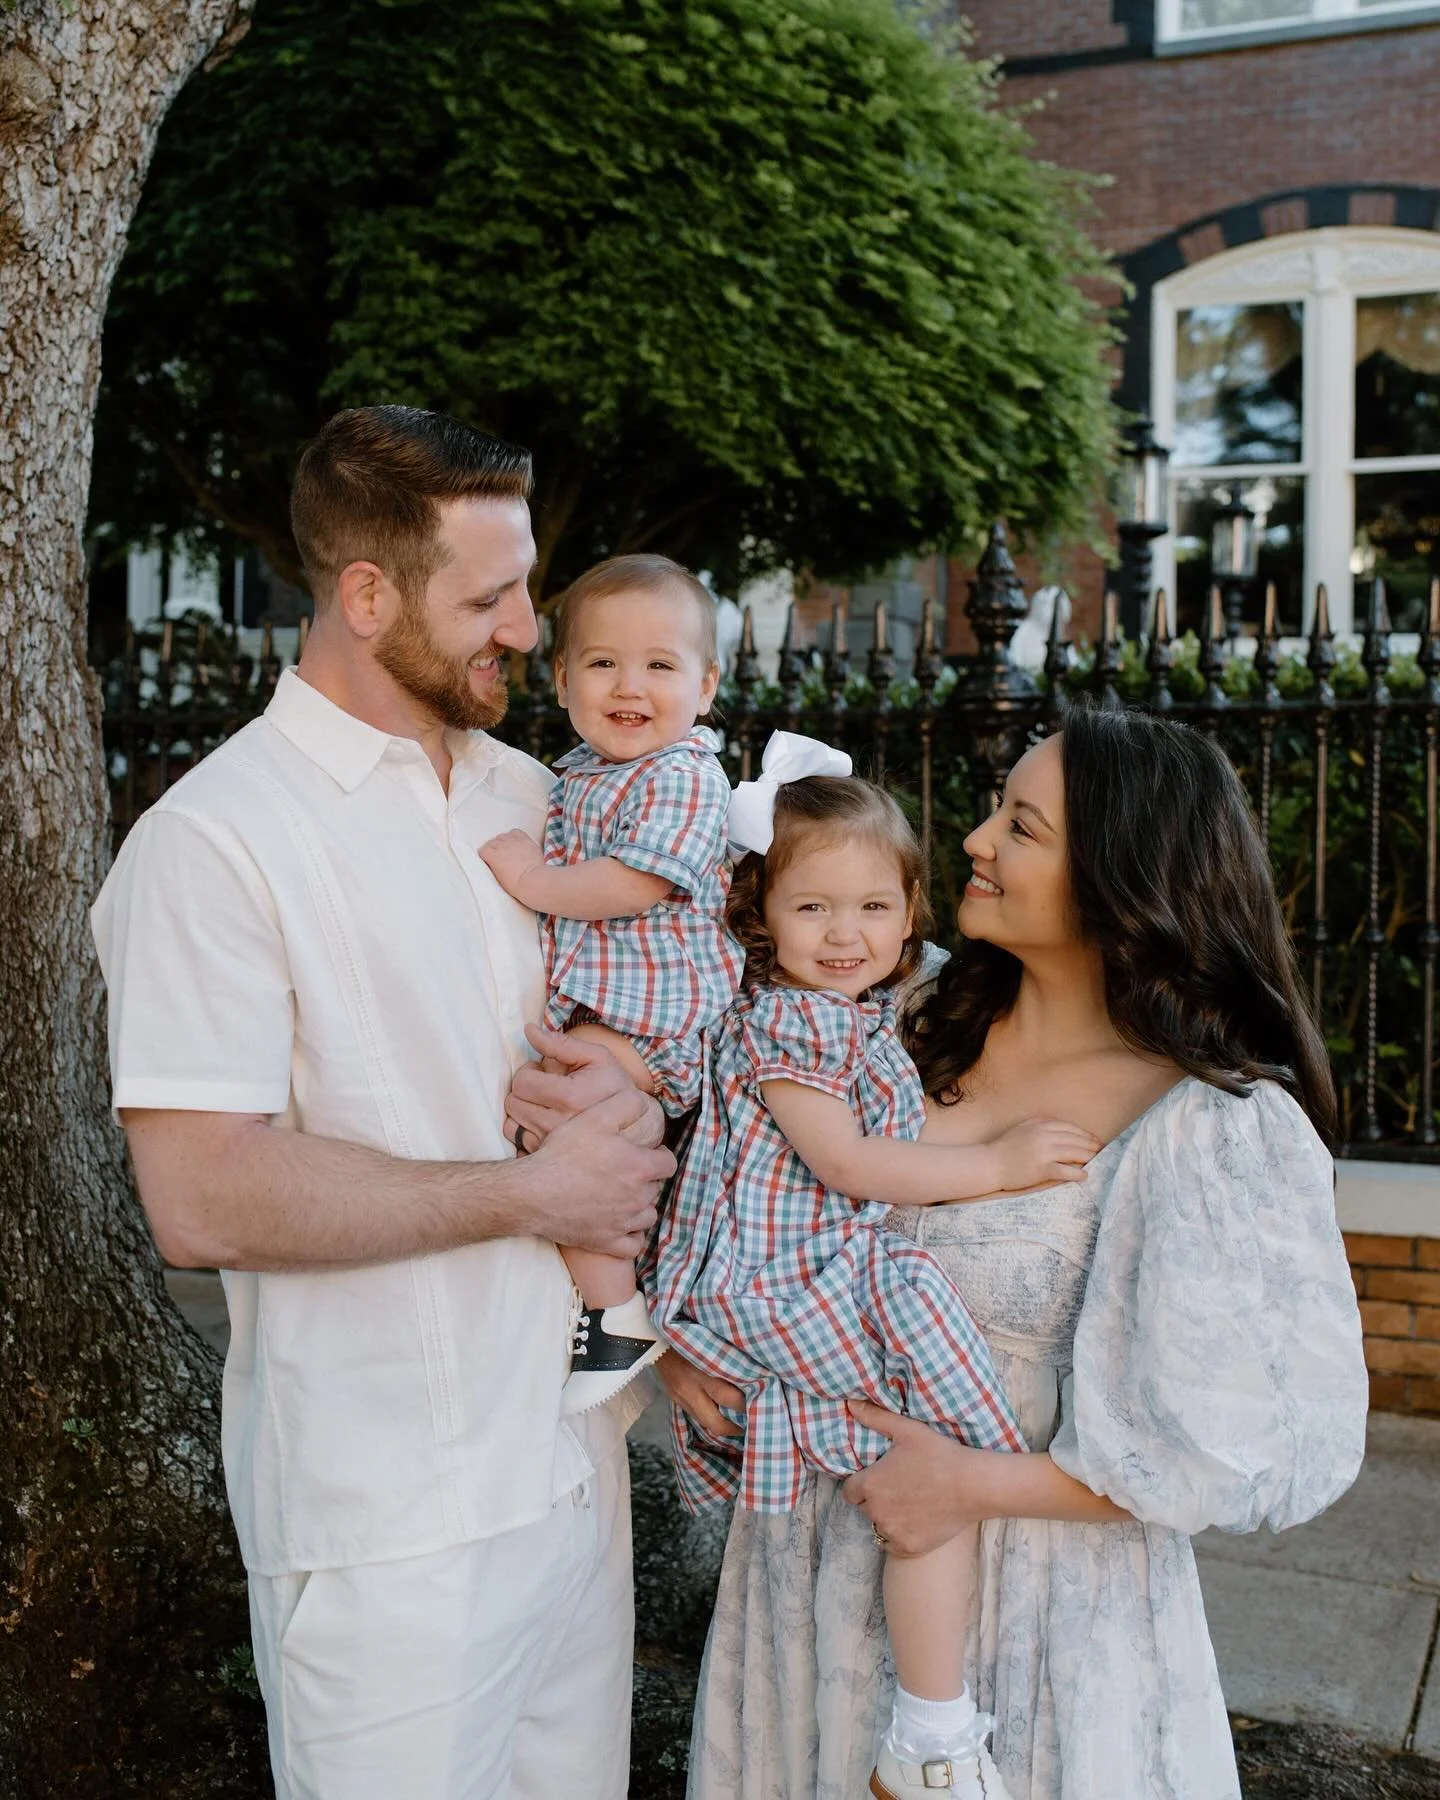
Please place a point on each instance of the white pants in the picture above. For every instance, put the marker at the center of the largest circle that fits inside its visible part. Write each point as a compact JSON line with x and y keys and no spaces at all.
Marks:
{"x":500,"y":1669}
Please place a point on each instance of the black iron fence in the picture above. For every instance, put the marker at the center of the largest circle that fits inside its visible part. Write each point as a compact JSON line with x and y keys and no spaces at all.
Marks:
{"x":1337,"y":745}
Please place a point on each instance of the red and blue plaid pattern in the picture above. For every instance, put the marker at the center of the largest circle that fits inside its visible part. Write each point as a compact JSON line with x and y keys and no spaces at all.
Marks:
{"x":764,"y":1276}
{"x":663,"y":975}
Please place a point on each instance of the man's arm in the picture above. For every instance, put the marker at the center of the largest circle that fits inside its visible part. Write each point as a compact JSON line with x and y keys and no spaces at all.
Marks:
{"x":231,"y":1191}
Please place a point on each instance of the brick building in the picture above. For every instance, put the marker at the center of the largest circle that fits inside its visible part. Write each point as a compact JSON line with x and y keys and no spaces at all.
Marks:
{"x":1273,"y":199}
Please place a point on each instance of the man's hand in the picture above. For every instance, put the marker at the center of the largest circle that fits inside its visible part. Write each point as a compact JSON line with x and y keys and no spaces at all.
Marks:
{"x":924,"y":1489}
{"x":512,"y":858}
{"x":592,"y":1187}
{"x":700,"y":1395}
{"x":542,"y":1099}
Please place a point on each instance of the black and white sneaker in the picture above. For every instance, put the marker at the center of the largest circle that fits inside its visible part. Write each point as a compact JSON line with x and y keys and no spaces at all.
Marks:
{"x":610,"y":1348}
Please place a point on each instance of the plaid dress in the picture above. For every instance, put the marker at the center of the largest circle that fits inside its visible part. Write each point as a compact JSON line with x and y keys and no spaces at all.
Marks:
{"x":663,"y":975}
{"x":797,"y":1294}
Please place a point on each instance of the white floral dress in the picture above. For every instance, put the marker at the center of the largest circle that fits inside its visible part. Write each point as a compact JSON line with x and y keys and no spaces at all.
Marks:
{"x":1181,"y":1333}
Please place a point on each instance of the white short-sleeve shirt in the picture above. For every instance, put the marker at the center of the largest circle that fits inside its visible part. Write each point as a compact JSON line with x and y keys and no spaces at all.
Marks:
{"x":303,"y":927}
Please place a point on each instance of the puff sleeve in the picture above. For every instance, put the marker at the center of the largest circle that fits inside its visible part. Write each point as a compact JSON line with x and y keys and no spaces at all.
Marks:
{"x":672,"y":824}
{"x":816,"y":1039}
{"x":1219,"y":1377}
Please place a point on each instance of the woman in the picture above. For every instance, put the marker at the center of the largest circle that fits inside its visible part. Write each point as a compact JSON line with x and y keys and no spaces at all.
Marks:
{"x":1178,"y":1330}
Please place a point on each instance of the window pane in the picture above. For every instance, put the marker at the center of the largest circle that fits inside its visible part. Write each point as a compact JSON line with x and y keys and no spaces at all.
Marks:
{"x":1278,"y":503}
{"x":1194,"y":17}
{"x":1238,"y":372}
{"x":1397,"y":376}
{"x":1235,"y":15}
{"x":1397,"y":536}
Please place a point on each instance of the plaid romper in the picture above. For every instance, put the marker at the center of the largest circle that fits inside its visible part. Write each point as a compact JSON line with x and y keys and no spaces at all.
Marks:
{"x":797,"y":1294}
{"x":660,"y":976}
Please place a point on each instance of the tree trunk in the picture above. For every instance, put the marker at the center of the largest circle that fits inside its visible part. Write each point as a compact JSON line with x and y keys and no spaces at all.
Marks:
{"x":121,"y":1593}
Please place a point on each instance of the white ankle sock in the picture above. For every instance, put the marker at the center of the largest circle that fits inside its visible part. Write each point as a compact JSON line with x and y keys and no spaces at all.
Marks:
{"x":922,"y":1729}
{"x":629,"y":1319}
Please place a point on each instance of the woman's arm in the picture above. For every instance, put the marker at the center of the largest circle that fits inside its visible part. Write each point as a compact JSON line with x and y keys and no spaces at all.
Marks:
{"x":926,"y":1487}
{"x":600,"y":888}
{"x":824,"y":1134}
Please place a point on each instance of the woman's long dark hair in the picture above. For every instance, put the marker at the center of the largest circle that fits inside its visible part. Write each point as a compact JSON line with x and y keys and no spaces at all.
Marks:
{"x":1169,"y":878}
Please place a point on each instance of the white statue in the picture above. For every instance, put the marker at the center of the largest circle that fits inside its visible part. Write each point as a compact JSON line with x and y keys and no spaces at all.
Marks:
{"x":1028,"y":647}
{"x":729,"y":625}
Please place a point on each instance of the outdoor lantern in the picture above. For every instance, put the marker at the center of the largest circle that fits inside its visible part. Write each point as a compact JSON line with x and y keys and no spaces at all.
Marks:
{"x":1234,"y":558}
{"x":1234,"y":543}
{"x":1142,"y":512}
{"x":1142,"y":496}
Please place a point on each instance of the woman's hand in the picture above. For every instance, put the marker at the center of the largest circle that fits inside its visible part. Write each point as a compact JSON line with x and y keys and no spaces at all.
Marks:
{"x":700,"y":1395}
{"x":925,"y":1488}
{"x":542,"y":1097}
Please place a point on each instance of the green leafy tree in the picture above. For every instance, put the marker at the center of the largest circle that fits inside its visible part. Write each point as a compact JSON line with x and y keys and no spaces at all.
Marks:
{"x":759,"y":281}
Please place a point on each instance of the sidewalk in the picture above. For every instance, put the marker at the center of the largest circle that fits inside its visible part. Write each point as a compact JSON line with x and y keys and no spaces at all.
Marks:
{"x":1331,"y":1624}
{"x":1335,"y":1622}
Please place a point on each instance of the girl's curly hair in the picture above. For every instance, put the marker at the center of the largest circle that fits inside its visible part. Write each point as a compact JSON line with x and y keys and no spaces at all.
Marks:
{"x":815,"y":810}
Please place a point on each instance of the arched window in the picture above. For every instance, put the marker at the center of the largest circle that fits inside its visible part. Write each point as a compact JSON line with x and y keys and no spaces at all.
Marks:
{"x":1300,"y":376}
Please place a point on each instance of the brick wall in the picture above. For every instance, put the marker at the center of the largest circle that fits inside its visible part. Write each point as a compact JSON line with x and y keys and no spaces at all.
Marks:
{"x":1398,"y":1282}
{"x":1184,"y":136}
{"x":1021,"y":28}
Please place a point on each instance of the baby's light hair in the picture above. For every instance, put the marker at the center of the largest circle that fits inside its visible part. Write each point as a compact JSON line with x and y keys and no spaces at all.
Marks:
{"x":629,"y":575}
{"x":813,"y":811}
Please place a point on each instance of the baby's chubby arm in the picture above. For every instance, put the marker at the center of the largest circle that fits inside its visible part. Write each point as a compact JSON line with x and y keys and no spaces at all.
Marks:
{"x":602,"y":888}
{"x":824,"y":1133}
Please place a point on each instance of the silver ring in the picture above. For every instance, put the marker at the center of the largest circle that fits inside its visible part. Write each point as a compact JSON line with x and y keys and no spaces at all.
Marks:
{"x":520,"y":1149}
{"x":881,"y":1541}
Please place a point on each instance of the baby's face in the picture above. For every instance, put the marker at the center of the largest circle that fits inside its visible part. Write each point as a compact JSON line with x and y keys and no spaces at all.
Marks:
{"x":636,"y":676}
{"x":839,"y":915}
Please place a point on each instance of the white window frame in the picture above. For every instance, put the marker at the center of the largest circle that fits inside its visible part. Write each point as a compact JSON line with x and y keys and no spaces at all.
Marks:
{"x":1328,"y":18}
{"x":1329,"y":270}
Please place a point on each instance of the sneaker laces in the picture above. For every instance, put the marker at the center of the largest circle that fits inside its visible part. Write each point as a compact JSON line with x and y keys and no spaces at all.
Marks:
{"x":579,"y":1327}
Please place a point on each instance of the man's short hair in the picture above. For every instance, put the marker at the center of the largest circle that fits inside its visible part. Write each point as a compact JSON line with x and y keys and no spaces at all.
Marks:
{"x":370,"y":486}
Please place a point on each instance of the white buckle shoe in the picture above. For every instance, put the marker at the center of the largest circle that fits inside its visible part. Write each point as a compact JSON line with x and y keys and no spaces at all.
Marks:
{"x":972,"y":1776}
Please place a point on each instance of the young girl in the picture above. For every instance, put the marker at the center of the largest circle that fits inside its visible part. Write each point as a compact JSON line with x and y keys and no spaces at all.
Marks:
{"x":773,"y":1268}
{"x":632,"y":880}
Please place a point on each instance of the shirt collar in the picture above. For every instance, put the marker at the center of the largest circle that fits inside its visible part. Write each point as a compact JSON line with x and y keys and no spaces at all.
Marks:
{"x":698,"y":738}
{"x":348,"y":749}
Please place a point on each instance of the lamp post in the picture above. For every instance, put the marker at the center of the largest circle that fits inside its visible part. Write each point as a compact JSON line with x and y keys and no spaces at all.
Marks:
{"x":1142,"y":515}
{"x":1234,"y":558}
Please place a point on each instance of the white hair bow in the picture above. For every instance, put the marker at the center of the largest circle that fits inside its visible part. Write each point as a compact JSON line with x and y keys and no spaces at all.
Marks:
{"x":788,"y":757}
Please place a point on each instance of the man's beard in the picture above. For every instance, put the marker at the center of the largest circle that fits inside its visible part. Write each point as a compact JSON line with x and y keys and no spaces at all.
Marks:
{"x":409,"y":654}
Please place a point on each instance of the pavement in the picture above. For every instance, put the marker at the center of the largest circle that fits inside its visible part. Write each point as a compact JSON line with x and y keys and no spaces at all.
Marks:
{"x":1333,"y":1624}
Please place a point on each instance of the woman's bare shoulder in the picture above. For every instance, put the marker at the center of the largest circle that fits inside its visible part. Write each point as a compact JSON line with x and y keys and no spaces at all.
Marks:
{"x":1105,"y":1091}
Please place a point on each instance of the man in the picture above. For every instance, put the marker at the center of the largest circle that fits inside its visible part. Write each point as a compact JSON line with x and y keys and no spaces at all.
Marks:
{"x":318,"y":998}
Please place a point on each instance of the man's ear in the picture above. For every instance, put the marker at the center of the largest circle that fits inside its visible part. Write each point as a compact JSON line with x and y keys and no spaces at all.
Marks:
{"x":364,"y":597}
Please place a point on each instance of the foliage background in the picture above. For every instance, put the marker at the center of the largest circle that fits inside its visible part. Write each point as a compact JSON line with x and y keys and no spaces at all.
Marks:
{"x":760,"y":282}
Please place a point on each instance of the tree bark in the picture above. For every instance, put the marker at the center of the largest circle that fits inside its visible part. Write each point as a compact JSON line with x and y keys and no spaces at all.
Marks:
{"x":120,"y":1588}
